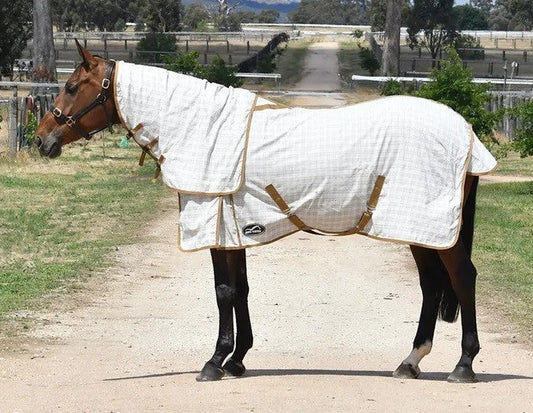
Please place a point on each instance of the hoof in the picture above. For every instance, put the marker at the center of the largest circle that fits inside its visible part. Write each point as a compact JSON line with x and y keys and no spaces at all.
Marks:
{"x":234,"y":368}
{"x":406,"y":371}
{"x":210,"y":372}
{"x":462,"y":374}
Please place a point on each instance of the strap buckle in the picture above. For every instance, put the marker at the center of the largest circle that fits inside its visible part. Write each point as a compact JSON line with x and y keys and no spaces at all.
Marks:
{"x":70,"y":121}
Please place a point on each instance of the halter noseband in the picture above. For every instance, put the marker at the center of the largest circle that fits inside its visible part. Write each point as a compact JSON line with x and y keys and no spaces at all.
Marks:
{"x":100,"y":99}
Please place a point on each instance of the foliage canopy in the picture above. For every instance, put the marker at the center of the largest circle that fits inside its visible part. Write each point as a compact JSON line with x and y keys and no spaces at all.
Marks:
{"x":453,"y":86}
{"x":15,"y":20}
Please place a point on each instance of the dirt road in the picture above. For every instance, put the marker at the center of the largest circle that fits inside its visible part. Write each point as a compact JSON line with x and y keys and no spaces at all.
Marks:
{"x":332,"y":318}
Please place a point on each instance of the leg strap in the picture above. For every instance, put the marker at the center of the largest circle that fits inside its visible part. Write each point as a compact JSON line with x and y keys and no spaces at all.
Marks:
{"x":296,"y":221}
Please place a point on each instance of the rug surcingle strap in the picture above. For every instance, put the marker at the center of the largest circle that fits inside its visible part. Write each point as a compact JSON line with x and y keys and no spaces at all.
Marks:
{"x":363,"y":221}
{"x":280,"y":202}
{"x":371,"y":204}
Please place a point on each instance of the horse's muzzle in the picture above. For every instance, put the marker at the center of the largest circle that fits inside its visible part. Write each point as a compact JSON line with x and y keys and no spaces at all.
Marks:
{"x":50,"y":147}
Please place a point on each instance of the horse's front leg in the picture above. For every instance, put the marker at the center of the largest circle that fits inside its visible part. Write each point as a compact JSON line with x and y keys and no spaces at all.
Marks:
{"x":229,"y":268}
{"x":431,"y":272}
{"x":244,"y":340}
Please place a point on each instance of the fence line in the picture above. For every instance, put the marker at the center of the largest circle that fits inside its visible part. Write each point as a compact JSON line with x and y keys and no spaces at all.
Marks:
{"x":20,"y":112}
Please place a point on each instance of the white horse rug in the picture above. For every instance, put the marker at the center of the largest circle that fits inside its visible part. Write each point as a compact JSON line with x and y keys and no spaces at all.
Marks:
{"x":248,"y":172}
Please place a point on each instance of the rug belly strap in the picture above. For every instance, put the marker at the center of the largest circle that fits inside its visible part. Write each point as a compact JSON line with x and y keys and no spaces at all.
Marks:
{"x":296,"y":221}
{"x":285,"y":208}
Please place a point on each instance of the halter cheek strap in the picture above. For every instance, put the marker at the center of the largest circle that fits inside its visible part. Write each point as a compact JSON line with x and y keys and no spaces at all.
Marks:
{"x":72,"y":120}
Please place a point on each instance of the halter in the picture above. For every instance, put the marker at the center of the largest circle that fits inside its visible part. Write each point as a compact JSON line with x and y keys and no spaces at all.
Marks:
{"x":100,"y":99}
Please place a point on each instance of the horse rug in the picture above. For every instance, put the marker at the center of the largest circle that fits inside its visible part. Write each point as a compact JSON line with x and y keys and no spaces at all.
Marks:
{"x":249,"y":172}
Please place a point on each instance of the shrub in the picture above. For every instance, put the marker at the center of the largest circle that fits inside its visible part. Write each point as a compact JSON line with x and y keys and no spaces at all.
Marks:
{"x":523,"y":140}
{"x":216,"y":72}
{"x":392,"y":87}
{"x":453,"y":86}
{"x":368,"y":60}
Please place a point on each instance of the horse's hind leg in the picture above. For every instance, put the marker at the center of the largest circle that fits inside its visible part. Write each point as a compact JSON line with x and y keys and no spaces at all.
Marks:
{"x":433,"y":277}
{"x":229,"y":267}
{"x":463,"y":278}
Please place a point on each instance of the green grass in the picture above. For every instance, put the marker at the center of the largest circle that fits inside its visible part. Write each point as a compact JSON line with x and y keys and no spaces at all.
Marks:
{"x":503,"y":251}
{"x":349,"y":60}
{"x":514,"y":165}
{"x":290,"y":63}
{"x":59,"y":219}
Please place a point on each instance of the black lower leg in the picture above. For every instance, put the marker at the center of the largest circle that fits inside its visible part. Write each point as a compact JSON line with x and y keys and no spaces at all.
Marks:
{"x":244,"y":338}
{"x":430,"y":270}
{"x":225,"y":287}
{"x":463,"y":277}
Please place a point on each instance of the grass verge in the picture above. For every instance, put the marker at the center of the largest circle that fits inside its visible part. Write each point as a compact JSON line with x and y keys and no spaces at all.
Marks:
{"x":290,"y":64}
{"x":59,"y":219}
{"x":503,"y":252}
{"x":514,"y":165}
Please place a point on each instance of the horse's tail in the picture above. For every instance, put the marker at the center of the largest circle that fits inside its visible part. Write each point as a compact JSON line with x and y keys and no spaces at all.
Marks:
{"x":449,"y":305}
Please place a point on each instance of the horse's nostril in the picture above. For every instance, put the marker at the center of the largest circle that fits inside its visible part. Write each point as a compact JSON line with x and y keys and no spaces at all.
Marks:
{"x":38,"y":141}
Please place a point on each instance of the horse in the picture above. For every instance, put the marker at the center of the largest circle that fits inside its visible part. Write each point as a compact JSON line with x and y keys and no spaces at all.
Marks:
{"x":90,"y":102}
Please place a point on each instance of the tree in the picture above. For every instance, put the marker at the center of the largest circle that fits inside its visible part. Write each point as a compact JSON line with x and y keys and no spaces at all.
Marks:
{"x":467,"y":17}
{"x":195,"y":16}
{"x":163,"y":15}
{"x":330,"y":12}
{"x":15,"y":20}
{"x":268,"y":16}
{"x":522,"y":12}
{"x":390,"y":60}
{"x":435,"y":19}
{"x":378,"y":14}
{"x":44,"y":58}
{"x":485,"y":6}
{"x":66,"y":15}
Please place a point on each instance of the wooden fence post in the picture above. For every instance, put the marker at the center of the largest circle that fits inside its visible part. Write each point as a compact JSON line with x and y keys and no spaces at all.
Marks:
{"x":12,"y":126}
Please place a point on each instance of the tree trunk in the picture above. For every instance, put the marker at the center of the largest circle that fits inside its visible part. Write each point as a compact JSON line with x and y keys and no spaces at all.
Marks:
{"x":44,"y":60}
{"x":390,"y":61}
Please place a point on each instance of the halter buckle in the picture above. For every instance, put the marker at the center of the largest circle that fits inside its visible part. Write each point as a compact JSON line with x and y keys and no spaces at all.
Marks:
{"x":105,"y":83}
{"x":57,"y":112}
{"x":70,"y":122}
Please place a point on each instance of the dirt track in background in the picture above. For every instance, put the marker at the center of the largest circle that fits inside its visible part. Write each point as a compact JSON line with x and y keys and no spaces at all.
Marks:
{"x":332,"y":318}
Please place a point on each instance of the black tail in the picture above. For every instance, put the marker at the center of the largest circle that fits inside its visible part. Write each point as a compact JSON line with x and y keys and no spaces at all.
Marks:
{"x":449,"y":305}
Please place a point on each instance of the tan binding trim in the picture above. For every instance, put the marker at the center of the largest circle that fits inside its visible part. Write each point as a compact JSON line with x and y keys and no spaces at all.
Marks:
{"x":270,"y":106}
{"x":296,"y":221}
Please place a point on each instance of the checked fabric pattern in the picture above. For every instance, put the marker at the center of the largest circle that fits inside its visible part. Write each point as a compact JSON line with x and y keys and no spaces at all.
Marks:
{"x":323,"y":162}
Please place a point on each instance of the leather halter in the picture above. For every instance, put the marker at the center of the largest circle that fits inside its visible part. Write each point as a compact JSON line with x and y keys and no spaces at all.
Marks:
{"x":100,"y":99}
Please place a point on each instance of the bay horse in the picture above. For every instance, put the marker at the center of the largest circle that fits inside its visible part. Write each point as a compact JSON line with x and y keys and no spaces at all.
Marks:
{"x":87,"y":104}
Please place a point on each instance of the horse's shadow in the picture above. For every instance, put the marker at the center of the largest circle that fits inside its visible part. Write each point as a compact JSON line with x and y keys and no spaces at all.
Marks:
{"x":424,"y":376}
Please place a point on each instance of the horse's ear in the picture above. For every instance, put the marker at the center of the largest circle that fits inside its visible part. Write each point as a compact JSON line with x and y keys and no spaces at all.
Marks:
{"x":88,"y":58}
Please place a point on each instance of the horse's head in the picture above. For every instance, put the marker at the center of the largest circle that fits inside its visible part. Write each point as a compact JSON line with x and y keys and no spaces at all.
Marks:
{"x":85,"y":105}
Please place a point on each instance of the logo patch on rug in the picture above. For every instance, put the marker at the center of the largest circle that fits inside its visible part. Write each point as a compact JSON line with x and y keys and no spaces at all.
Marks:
{"x":253,"y":229}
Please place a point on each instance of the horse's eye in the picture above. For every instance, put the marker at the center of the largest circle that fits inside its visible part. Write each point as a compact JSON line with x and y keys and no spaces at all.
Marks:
{"x":71,"y":88}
